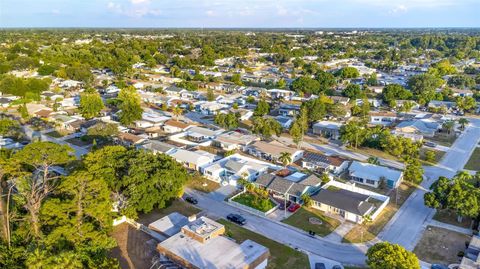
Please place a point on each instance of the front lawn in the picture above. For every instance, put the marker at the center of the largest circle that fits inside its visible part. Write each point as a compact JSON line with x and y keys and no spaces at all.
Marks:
{"x":474,"y":161}
{"x":371,"y":230}
{"x":301,"y":219}
{"x":438,"y":156}
{"x":281,"y":256}
{"x":449,"y":217}
{"x":443,"y":138}
{"x":254,"y":201}
{"x":200,"y":183}
{"x":56,"y":134}
{"x":440,"y":245}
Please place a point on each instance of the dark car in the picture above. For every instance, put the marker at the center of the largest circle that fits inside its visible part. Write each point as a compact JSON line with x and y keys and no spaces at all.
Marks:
{"x":191,"y":200}
{"x":430,"y":144}
{"x":237,"y":219}
{"x":282,"y":205}
{"x":320,"y":265}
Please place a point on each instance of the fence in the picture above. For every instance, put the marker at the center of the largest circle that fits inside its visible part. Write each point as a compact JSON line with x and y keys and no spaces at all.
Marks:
{"x":249,"y":209}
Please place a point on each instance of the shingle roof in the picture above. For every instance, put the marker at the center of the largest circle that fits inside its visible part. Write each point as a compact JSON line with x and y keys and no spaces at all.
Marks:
{"x":352,"y":202}
{"x":320,"y":158}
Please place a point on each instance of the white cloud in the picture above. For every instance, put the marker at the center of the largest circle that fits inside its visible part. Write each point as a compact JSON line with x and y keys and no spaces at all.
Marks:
{"x":210,"y":13}
{"x":55,"y":11}
{"x":399,"y":9}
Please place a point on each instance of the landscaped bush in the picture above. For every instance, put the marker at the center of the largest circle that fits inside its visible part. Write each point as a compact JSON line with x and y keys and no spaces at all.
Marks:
{"x":257,"y":202}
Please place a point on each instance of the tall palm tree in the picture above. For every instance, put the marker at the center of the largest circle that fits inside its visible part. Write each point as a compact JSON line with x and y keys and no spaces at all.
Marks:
{"x":285,"y":158}
{"x":463,"y":122}
{"x":366,"y":220}
{"x":177,"y":111}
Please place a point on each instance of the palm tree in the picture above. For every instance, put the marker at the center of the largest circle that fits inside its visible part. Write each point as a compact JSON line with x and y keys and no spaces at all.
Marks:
{"x":307,"y":200}
{"x":448,"y":126}
{"x":285,"y":158}
{"x":177,"y":111}
{"x":373,"y":160}
{"x":463,"y":122}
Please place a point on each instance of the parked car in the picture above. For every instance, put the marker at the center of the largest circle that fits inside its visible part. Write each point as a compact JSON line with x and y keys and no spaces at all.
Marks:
{"x":282,"y":205}
{"x":237,"y":219}
{"x":294,"y":207}
{"x":430,"y":144}
{"x":320,"y":265}
{"x":191,"y":200}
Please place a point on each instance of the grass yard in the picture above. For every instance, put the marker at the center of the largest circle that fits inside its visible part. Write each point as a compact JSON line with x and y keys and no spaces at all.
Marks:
{"x":438,"y":156}
{"x":300,"y":219}
{"x":77,"y":142}
{"x":258,"y":203}
{"x":202,"y":184}
{"x":449,"y":217}
{"x":371,"y":230}
{"x":440,"y":245}
{"x":177,"y":205}
{"x":281,"y":256}
{"x":474,"y":161}
{"x":443,"y":139}
{"x":56,"y":134}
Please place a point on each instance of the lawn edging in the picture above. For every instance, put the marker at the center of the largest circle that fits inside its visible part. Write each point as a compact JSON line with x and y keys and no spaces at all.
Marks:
{"x":250,"y":209}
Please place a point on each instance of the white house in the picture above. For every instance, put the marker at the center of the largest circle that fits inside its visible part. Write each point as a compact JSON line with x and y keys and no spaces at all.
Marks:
{"x":195,"y":160}
{"x":372,"y":175}
{"x":236,"y":166}
{"x":272,"y":151}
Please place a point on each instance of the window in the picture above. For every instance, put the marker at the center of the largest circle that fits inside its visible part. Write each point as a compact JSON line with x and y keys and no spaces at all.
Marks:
{"x":371,"y":182}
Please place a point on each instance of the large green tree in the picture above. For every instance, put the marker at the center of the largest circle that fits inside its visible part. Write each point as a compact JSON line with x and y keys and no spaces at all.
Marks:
{"x":391,"y":256}
{"x":130,"y":107}
{"x":90,"y":103}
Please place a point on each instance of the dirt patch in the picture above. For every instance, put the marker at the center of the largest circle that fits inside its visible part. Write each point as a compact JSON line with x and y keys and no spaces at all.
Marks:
{"x":440,"y":245}
{"x":135,"y":249}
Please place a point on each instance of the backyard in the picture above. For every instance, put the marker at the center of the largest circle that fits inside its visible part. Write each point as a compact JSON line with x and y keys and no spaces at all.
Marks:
{"x":254,"y":201}
{"x":444,"y":139}
{"x":474,"y":161}
{"x":364,"y":233}
{"x":177,"y":205}
{"x":281,"y":256}
{"x":303,"y":219}
{"x":440,"y":245}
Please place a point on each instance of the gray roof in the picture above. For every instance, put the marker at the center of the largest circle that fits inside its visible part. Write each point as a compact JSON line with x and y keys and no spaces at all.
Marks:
{"x":352,"y":202}
{"x":264,"y":179}
{"x":157,"y":146}
{"x":422,"y":126}
{"x":373,"y":172}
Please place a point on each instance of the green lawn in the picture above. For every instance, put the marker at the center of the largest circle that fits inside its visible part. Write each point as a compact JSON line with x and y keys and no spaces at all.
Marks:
{"x":281,"y":256}
{"x":56,"y":134}
{"x":443,"y":139}
{"x":176,"y":205}
{"x":474,"y":161}
{"x":300,"y":219}
{"x":438,"y":156}
{"x":258,"y":203}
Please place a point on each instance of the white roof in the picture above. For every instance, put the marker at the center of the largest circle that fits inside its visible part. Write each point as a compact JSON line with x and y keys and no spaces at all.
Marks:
{"x":373,"y":172}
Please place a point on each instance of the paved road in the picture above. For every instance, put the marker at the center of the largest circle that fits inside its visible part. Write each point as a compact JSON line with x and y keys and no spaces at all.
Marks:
{"x":407,"y":226}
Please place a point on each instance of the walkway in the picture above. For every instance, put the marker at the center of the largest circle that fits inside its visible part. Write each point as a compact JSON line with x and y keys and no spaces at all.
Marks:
{"x":450,"y":227}
{"x":340,"y":232}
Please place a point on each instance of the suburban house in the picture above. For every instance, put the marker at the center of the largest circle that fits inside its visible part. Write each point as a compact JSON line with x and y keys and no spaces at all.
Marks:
{"x":174,"y":126}
{"x":285,"y":122}
{"x":272,"y":151}
{"x":322,"y":163}
{"x":462,"y":92}
{"x":209,"y":108}
{"x":128,"y":139}
{"x":157,"y":147}
{"x":372,"y":175}
{"x":288,"y":110}
{"x":471,"y":259}
{"x":285,"y":184}
{"x":199,"y":243}
{"x":328,"y":129}
{"x":352,"y":206}
{"x":280,"y":94}
{"x":194,"y":160}
{"x":426,"y":128}
{"x":233,"y":140}
{"x":340,"y":100}
{"x":150,"y":119}
{"x":382,"y":118}
{"x":236,"y":166}
{"x":175,"y":91}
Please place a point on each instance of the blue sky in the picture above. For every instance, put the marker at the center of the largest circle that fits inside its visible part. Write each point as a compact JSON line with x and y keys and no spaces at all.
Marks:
{"x":240,"y":13}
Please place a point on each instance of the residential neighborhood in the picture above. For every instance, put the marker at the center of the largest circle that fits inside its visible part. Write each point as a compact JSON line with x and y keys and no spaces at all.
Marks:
{"x":239,"y":148}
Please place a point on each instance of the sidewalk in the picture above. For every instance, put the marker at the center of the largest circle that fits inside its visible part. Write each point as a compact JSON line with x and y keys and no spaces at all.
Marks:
{"x":340,"y":232}
{"x":450,"y":227}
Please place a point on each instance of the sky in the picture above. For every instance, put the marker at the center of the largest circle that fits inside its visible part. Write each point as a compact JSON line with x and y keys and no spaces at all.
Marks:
{"x":240,"y":13}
